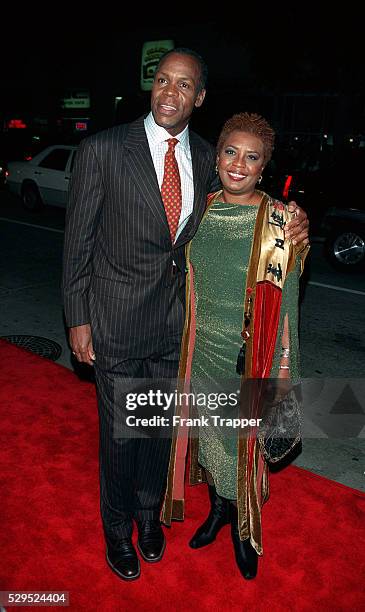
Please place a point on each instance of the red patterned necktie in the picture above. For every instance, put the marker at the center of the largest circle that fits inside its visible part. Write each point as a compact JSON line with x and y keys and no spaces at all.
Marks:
{"x":171,"y":188}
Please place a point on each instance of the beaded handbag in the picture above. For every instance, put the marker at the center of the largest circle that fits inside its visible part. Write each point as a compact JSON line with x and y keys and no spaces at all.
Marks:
{"x":280,"y":429}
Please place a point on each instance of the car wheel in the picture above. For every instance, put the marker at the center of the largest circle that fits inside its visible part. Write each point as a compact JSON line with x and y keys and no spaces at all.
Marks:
{"x":346,"y":249}
{"x":31,"y":197}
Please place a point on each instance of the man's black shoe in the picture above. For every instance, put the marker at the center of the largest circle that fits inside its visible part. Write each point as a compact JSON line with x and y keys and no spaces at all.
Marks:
{"x":121,"y":556}
{"x":217,"y":518}
{"x":151,"y":540}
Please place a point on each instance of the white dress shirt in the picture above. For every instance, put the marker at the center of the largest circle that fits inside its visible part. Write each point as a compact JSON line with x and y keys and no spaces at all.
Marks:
{"x":157,"y":137}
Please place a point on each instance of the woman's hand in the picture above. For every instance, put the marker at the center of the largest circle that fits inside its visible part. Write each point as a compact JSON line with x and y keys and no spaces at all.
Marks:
{"x":298,"y":228}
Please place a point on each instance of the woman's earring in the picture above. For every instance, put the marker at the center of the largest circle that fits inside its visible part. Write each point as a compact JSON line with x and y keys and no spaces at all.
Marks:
{"x":260,"y":179}
{"x":216,"y":169}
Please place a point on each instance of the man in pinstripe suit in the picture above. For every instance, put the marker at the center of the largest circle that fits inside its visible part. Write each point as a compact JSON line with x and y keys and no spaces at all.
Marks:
{"x":123,"y":286}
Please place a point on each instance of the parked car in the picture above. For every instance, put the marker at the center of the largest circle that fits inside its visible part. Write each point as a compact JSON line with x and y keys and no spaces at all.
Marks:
{"x":44,"y":179}
{"x":344,"y":230}
{"x":17,"y":144}
{"x":329,"y":190}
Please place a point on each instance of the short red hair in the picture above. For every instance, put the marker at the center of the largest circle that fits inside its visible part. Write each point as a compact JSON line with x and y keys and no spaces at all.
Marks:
{"x":254,"y":124}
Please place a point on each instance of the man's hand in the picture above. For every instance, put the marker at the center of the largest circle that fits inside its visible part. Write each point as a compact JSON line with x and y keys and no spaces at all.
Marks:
{"x":81,"y":343}
{"x":297,"y":228}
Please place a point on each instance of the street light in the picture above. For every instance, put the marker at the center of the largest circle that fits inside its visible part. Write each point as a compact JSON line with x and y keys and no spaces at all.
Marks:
{"x":117,"y":99}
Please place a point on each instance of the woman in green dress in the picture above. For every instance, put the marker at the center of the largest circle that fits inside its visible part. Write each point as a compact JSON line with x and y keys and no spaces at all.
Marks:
{"x":243,"y":286}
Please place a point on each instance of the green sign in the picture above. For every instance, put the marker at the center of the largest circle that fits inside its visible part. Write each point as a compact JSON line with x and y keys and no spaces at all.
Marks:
{"x":152,"y":51}
{"x":76,"y":99}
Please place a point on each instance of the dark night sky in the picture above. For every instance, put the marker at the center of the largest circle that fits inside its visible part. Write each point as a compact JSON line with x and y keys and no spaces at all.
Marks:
{"x":256,"y":48}
{"x":293,"y":47}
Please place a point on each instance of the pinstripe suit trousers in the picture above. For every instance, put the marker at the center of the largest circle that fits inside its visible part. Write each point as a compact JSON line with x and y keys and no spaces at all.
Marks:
{"x":133,"y":470}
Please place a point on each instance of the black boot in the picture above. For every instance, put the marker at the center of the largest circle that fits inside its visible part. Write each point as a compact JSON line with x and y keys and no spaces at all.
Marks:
{"x":246,"y":555}
{"x":217,"y":518}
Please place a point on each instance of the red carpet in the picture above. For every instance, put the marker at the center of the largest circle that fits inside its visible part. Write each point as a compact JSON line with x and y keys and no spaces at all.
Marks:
{"x":51,"y":537}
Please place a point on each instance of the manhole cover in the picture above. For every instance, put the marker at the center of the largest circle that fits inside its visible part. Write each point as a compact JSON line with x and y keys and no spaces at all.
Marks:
{"x":36,"y":344}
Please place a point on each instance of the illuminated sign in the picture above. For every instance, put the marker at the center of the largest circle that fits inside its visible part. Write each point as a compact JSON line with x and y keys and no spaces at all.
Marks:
{"x":152,"y":51}
{"x":76,"y":99}
{"x":80,"y":126}
{"x":16,"y":124}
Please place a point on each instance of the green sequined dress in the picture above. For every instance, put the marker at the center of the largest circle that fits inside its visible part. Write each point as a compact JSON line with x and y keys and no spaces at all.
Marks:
{"x":220,"y":254}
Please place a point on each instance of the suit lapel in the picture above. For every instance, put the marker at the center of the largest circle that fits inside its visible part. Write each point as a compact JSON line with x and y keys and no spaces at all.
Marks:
{"x":142,"y":171}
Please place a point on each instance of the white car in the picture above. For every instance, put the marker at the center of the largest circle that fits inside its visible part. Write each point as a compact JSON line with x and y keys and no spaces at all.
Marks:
{"x":44,"y":179}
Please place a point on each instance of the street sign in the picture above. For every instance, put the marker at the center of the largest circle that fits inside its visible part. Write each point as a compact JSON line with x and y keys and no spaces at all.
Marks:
{"x":76,"y":99}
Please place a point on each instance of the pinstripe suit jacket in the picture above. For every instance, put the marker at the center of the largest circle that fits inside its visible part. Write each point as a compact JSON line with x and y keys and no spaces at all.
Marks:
{"x":118,"y":253}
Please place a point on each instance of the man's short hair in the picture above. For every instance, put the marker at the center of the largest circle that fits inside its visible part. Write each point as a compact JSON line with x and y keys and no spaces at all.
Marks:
{"x":185,"y":51}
